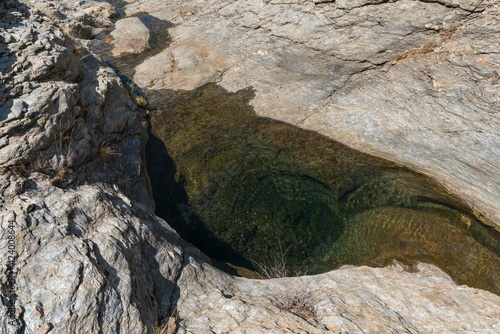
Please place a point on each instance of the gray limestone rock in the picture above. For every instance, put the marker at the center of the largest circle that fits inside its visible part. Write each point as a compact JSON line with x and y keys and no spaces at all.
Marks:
{"x":353,"y":300}
{"x":89,"y":260}
{"x":83,"y":19}
{"x":88,"y":255}
{"x":72,"y":138}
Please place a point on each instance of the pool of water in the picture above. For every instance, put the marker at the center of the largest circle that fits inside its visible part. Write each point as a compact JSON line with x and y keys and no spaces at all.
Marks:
{"x":244,"y":189}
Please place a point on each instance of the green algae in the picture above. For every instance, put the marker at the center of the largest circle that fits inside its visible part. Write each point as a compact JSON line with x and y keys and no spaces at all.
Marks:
{"x":239,"y":186}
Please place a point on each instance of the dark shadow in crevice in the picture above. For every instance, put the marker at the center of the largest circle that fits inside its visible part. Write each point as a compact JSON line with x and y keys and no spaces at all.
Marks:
{"x":172,"y":204}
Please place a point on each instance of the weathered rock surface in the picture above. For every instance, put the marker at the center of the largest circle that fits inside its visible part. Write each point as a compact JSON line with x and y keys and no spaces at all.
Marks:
{"x":131,"y":36}
{"x":348,"y":300}
{"x":412,"y":81}
{"x":62,"y":108}
{"x":82,"y":19}
{"x":71,"y":139}
{"x":184,"y":66}
{"x":89,"y":260}
{"x":93,"y":258}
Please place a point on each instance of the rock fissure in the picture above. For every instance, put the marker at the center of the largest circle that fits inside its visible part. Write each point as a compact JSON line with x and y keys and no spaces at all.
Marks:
{"x":352,"y":322}
{"x":471,"y":9}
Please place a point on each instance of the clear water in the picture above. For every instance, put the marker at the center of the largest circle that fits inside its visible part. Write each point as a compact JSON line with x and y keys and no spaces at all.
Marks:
{"x":238,"y":186}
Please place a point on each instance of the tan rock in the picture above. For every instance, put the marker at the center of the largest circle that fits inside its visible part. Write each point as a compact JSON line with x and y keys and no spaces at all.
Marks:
{"x":103,"y":10}
{"x":184,"y":65}
{"x":44,"y":329}
{"x":131,"y":36}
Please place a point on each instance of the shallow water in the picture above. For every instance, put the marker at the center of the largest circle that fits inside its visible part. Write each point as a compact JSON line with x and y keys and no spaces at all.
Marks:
{"x":244,"y":189}
{"x":240,"y":187}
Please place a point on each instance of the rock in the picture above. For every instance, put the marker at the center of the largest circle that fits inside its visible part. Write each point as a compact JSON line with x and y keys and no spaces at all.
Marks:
{"x":93,"y":257}
{"x":59,"y":115}
{"x":185,"y":66}
{"x":76,"y":128}
{"x":17,"y":109}
{"x":102,"y":10}
{"x":417,"y":86}
{"x":44,"y":329}
{"x":94,"y":277}
{"x":82,"y":19}
{"x":380,"y":301}
{"x":131,"y":36}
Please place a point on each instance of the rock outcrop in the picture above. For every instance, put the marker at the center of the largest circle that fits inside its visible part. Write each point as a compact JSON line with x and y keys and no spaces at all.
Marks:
{"x":88,"y":255}
{"x":72,"y":144}
{"x":82,"y":19}
{"x":348,"y":300}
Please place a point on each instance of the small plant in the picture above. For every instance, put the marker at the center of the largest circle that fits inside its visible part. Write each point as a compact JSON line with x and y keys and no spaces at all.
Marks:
{"x":136,"y":94}
{"x":495,"y":78}
{"x":41,"y":166}
{"x":106,"y":151}
{"x":19,"y":169}
{"x":428,"y":47}
{"x":431,"y":44}
{"x":448,"y":32}
{"x":291,"y":295}
{"x":141,"y":101}
{"x":296,"y":297}
{"x":172,"y":62}
{"x":63,"y":138}
{"x":277,"y":268}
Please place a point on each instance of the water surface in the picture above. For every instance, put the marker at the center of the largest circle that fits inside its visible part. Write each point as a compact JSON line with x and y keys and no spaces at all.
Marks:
{"x":245,"y":188}
{"x":240,"y":187}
